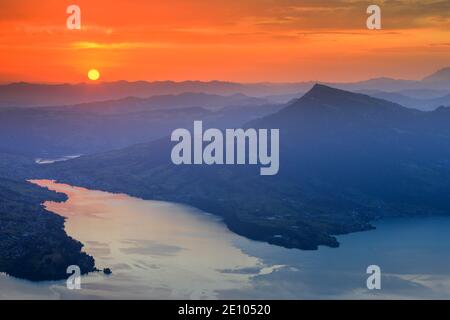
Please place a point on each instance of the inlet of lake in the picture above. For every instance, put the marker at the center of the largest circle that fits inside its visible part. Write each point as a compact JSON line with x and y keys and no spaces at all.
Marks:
{"x":161,"y":250}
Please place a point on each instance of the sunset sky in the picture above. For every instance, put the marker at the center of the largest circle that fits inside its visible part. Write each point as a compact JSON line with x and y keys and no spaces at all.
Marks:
{"x":245,"y":40}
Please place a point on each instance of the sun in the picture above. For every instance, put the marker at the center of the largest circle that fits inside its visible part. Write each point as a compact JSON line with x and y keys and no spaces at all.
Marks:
{"x":93,"y":74}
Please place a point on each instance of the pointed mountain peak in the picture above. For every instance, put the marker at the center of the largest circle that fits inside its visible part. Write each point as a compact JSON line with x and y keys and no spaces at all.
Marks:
{"x":321,"y":90}
{"x":323,"y":101}
{"x":327,"y":94}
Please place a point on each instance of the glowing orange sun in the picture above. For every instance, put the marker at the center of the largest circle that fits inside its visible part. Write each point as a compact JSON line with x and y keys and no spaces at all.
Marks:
{"x":93,"y":74}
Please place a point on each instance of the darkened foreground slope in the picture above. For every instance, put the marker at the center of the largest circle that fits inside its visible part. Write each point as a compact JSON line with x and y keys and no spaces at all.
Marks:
{"x":33,"y":243}
{"x":346,"y":159}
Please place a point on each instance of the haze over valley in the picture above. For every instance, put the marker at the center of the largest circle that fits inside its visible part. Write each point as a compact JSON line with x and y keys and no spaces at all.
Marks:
{"x":350,"y":155}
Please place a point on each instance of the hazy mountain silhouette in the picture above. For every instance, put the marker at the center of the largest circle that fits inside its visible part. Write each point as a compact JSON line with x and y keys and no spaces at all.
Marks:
{"x":399,"y":98}
{"x":172,"y":101}
{"x":100,"y":126}
{"x":346,"y":159}
{"x":27,"y":94}
{"x":407,"y":101}
{"x":440,"y":77}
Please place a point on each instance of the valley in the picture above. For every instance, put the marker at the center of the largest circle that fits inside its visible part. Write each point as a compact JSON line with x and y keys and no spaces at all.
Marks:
{"x":345,"y":162}
{"x":342,"y":183}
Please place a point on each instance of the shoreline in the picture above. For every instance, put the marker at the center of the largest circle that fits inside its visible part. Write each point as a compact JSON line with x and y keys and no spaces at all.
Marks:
{"x":33,"y":240}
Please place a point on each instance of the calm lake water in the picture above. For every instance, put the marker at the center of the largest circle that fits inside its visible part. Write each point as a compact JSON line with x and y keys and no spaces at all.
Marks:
{"x":160,"y":250}
{"x":48,"y":161}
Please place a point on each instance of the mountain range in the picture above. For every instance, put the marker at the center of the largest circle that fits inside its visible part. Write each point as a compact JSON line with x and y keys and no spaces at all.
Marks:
{"x":51,"y":132}
{"x":407,"y":100}
{"x":27,"y":94}
{"x":346,"y":159}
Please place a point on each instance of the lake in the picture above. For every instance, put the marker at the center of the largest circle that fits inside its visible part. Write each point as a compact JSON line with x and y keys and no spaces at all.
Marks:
{"x":161,"y":250}
{"x":53,"y":160}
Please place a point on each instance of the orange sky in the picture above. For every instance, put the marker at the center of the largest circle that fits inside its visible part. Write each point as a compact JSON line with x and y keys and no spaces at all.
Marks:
{"x":245,"y":40}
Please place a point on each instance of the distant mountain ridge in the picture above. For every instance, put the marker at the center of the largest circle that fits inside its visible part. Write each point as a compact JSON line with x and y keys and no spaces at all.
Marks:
{"x":27,"y":94}
{"x":408,"y":101}
{"x":440,"y":76}
{"x":169,"y":101}
{"x":58,"y":131}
